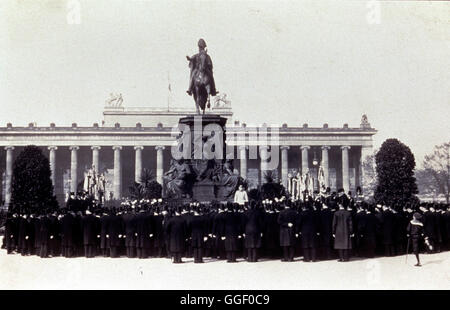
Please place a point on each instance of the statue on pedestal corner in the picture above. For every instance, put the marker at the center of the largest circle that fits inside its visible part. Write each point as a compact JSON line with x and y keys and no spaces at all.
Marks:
{"x":179,"y":179}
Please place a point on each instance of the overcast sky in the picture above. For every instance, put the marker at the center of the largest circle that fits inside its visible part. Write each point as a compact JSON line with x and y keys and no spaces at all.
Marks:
{"x":279,"y":62}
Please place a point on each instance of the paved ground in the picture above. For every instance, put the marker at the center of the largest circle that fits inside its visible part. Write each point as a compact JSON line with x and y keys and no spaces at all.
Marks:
{"x":31,"y":272}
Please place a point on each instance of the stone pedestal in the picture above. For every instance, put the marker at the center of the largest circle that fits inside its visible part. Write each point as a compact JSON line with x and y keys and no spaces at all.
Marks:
{"x":201,"y":147}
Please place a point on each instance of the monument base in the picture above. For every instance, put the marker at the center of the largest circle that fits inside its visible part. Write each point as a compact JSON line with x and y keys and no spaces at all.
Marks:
{"x":208,"y":191}
{"x":203,"y":178}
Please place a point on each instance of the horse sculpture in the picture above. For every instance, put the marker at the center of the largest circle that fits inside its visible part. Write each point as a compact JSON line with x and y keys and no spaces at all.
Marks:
{"x":201,"y":91}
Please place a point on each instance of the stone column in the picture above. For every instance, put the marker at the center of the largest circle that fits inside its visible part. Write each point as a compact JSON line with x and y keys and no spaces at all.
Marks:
{"x":263,"y":153}
{"x":325,"y":164}
{"x":74,"y":168}
{"x":366,"y":170}
{"x":138,"y":163}
{"x":284,"y":165}
{"x":159,"y":164}
{"x":345,"y":168}
{"x":117,"y":172}
{"x":8,"y":174}
{"x":305,"y":161}
{"x":243,"y":160}
{"x":52,"y":159}
{"x":95,"y":157}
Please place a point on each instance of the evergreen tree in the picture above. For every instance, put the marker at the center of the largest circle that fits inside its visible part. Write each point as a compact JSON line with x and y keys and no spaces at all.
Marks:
{"x":271,"y":189}
{"x":32,"y":188}
{"x":396,"y":184}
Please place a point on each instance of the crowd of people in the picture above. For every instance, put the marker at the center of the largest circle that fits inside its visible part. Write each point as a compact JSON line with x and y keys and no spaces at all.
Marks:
{"x":328,"y":227}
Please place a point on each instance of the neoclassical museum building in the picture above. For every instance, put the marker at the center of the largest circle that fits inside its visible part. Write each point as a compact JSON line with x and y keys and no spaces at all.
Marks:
{"x":131,"y":139}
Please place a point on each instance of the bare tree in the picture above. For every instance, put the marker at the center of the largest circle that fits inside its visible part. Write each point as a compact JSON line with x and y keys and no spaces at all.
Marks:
{"x":437,"y":167}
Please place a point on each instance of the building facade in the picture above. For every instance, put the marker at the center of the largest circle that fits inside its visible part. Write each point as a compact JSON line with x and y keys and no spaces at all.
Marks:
{"x":131,"y":139}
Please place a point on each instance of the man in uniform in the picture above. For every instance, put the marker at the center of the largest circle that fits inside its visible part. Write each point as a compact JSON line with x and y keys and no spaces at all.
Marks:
{"x":37,"y":234}
{"x":218,"y":230}
{"x":437,"y":228}
{"x":367,"y":233}
{"x":176,"y":232}
{"x":231,"y":233}
{"x":254,"y":226}
{"x":158,"y":227}
{"x":287,"y":219}
{"x":11,"y":232}
{"x":89,"y":226}
{"x":144,"y":233}
{"x":115,"y":232}
{"x":428,"y":220}
{"x":44,"y":232}
{"x":198,"y":233}
{"x":387,"y":230}
{"x":23,"y":235}
{"x":67,"y":234}
{"x":201,"y":62}
{"x":309,"y":232}
{"x":271,"y":233}
{"x":342,"y":232}
{"x":55,"y":235}
{"x":104,"y":235}
{"x":129,"y":220}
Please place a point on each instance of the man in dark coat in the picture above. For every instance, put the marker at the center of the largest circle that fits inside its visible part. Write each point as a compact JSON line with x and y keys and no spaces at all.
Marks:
{"x":218,"y":230}
{"x":309,"y":230}
{"x":358,"y":224}
{"x":367,"y":231}
{"x":342,"y":232}
{"x":129,"y":220}
{"x":437,"y":229}
{"x":287,"y":219}
{"x":37,"y":234}
{"x":45,"y":230}
{"x":23,"y":235}
{"x":116,"y":231}
{"x":89,"y":226}
{"x":271,"y":233}
{"x":54,"y":245}
{"x":159,"y":239}
{"x":241,"y":213}
{"x":447,"y":225}
{"x":144,"y":233}
{"x":187,"y":216}
{"x":387,"y":230}
{"x":198,"y":233}
{"x":254,"y":226}
{"x":326,"y":234}
{"x":428,"y":220}
{"x":400,"y":223}
{"x":166,"y":217}
{"x":176,"y":232}
{"x":104,"y":236}
{"x":232,"y":233}
{"x":443,"y":224}
{"x":11,"y":232}
{"x":209,"y":243}
{"x":67,"y":234}
{"x":78,"y":244}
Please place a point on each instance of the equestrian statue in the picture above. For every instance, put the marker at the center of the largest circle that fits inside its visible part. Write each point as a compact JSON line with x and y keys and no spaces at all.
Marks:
{"x":201,"y":83}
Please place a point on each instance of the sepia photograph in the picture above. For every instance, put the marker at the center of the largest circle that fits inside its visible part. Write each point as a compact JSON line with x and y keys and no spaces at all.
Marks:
{"x":224,"y":145}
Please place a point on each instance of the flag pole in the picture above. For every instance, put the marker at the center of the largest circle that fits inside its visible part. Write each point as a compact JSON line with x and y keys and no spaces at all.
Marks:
{"x":169,"y":91}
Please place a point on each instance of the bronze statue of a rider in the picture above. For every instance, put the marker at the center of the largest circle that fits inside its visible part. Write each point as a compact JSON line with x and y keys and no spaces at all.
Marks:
{"x":201,"y":65}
